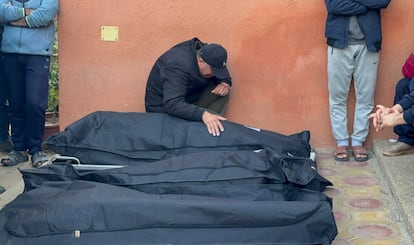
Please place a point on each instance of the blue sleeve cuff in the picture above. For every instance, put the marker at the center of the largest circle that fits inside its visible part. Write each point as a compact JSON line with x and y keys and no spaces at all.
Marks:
{"x":199,"y":114}
{"x":22,"y":12}
{"x":405,"y":103}
{"x":28,"y":21}
{"x":409,"y":116}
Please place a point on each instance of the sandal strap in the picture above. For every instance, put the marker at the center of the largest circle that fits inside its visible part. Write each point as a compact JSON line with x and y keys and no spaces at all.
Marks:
{"x":360,"y":153}
{"x":341,"y":150}
{"x":360,"y":150}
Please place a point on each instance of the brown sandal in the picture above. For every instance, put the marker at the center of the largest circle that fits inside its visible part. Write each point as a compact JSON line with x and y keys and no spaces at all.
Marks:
{"x":360,"y":153}
{"x":341,"y":153}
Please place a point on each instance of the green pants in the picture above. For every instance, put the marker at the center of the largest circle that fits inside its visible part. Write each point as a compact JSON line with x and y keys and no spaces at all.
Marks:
{"x":213,"y":103}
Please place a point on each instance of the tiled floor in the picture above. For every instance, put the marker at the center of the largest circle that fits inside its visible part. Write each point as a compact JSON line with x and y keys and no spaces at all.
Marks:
{"x":364,"y":209}
{"x":363,"y":206}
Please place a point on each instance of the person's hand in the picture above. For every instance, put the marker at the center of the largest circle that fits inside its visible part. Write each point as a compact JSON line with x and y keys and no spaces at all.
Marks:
{"x":222,"y":89}
{"x":392,"y":119}
{"x":19,"y":23}
{"x":28,"y":11}
{"x":213,"y":123}
{"x":377,"y":117}
{"x":387,"y":117}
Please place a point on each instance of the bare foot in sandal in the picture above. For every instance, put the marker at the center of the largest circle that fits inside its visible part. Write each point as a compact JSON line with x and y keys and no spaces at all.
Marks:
{"x":341,"y":153}
{"x":360,"y":153}
{"x":39,"y":159}
{"x":14,"y":158}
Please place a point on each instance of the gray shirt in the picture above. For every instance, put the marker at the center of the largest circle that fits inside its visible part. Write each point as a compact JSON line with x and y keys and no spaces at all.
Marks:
{"x":355,"y":34}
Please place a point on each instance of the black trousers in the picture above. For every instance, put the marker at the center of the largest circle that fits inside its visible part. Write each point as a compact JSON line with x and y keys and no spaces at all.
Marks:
{"x":28,"y":79}
{"x":4,"y":117}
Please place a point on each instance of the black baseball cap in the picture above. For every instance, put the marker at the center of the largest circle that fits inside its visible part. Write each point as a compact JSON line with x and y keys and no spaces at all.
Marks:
{"x":216,"y":56}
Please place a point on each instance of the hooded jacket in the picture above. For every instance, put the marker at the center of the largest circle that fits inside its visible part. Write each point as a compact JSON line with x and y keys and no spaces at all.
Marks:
{"x":408,"y":67}
{"x":35,"y":39}
{"x":368,"y":13}
{"x":175,"y":82}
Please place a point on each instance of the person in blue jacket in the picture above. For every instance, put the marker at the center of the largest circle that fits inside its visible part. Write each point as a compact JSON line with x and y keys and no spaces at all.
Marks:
{"x":400,"y":115}
{"x":354,"y":37}
{"x":191,"y":81}
{"x":27,"y":45}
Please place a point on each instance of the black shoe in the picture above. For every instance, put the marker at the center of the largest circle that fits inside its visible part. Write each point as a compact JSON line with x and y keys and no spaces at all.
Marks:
{"x":2,"y":189}
{"x":6,"y":146}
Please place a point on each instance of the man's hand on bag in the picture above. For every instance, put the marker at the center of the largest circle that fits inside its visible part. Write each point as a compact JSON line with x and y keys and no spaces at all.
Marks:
{"x":213,"y":123}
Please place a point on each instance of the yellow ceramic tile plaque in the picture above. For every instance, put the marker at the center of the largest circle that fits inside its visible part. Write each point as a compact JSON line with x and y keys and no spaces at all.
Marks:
{"x":109,"y":33}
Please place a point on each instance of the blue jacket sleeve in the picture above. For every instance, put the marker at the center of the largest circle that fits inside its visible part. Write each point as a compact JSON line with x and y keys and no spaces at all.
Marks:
{"x":345,"y":7}
{"x":407,"y":103}
{"x":10,"y":13}
{"x":379,"y":4}
{"x":43,"y":15}
{"x":409,"y":115}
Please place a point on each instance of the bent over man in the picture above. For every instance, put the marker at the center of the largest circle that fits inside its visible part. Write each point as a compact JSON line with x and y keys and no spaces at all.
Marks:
{"x":191,"y":81}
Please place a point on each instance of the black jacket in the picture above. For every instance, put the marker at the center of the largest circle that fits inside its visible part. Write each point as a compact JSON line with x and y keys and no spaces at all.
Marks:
{"x":175,"y":83}
{"x":369,"y":18}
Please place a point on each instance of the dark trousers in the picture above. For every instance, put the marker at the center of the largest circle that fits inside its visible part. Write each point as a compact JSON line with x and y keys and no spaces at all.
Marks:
{"x":4,"y":117}
{"x":28,"y":78}
{"x":213,"y":103}
{"x":405,"y":132}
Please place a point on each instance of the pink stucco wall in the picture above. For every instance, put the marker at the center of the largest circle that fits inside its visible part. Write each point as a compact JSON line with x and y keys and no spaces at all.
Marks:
{"x":277,"y":57}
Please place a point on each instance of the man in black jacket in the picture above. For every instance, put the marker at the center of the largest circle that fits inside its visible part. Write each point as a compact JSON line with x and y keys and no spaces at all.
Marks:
{"x":191,"y":81}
